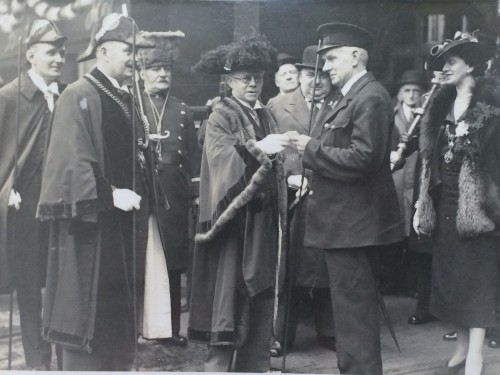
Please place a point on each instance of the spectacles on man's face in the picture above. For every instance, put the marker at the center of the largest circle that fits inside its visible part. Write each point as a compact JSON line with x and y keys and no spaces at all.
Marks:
{"x":248,"y":79}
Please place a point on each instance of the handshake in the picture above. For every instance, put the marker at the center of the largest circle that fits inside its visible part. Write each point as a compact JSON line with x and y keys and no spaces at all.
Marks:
{"x":275,"y":143}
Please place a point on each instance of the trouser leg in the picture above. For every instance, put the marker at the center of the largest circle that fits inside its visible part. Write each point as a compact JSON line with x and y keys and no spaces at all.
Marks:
{"x":424,"y":274}
{"x":355,"y":309}
{"x":37,"y":351}
{"x":175,"y":299}
{"x":219,"y":359}
{"x":323,"y":313}
{"x":253,"y":356}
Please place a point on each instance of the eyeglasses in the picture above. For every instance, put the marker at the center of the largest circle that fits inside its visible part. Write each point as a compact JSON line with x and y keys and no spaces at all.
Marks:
{"x":246,"y":80}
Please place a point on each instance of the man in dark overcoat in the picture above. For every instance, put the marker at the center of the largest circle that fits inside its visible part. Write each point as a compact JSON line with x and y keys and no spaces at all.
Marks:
{"x":410,"y":89}
{"x":23,"y":239}
{"x":93,"y":179}
{"x":177,"y":156}
{"x":353,"y":209}
{"x":292,"y":112}
{"x":242,"y":215}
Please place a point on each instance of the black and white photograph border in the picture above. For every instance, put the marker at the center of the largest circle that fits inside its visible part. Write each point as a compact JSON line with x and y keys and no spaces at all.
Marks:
{"x":404,"y":32}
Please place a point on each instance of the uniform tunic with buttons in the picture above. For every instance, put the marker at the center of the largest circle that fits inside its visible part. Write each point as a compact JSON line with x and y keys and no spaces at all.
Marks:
{"x":179,"y":163}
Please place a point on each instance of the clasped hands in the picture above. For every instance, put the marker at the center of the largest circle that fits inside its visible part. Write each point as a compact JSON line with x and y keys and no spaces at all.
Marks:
{"x":274,"y":143}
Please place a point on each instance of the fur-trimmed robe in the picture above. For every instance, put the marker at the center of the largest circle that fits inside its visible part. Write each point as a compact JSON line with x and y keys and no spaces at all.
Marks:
{"x":237,"y":242}
{"x":479,"y":179}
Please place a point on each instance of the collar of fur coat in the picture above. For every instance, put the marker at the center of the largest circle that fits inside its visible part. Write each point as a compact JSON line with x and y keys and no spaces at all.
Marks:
{"x":485,"y":105}
{"x":484,"y":111}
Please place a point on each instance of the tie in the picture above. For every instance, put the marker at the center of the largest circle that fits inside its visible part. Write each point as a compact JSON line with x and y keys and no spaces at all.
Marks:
{"x":316,"y":107}
{"x":411,"y":118}
{"x":254,"y":115}
{"x":50,"y":93}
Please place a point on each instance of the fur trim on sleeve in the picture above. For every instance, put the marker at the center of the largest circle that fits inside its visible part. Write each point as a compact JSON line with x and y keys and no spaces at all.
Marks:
{"x":244,"y":197}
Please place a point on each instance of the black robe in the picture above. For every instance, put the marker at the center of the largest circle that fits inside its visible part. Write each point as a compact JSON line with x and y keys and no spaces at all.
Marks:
{"x":90,"y":282}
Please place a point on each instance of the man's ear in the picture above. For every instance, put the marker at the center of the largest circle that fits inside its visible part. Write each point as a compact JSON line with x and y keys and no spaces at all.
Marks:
{"x":30,"y":55}
{"x":355,"y":57}
{"x":141,"y":74}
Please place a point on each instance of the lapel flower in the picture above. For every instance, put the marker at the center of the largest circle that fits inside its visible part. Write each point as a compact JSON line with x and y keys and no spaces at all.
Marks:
{"x":462,"y":129}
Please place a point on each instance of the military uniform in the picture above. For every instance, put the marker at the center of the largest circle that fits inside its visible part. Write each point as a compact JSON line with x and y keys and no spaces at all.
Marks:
{"x":178,"y":161}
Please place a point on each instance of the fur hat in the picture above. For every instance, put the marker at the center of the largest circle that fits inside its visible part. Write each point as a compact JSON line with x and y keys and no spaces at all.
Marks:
{"x":253,"y":52}
{"x":166,"y":49}
{"x":473,"y":48}
{"x":113,"y":27}
{"x":44,"y":31}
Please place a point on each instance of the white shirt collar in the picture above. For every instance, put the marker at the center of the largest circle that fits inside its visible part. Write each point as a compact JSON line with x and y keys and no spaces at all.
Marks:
{"x":408,"y":111}
{"x":345,"y":89}
{"x":114,"y":82}
{"x":38,"y":81}
{"x":257,"y":105}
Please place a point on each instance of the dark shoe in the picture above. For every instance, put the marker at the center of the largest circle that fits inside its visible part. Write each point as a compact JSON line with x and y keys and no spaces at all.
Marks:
{"x":494,"y":343}
{"x":419,"y":319}
{"x":328,"y":342}
{"x":451,"y":370}
{"x":450,"y":336}
{"x":178,"y":340}
{"x":276,"y":349}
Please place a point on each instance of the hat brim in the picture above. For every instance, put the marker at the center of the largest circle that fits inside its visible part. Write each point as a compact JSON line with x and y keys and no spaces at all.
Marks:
{"x":56,"y":42}
{"x":306,"y":66}
{"x":326,"y":47}
{"x":89,"y":54}
{"x":474,"y":53}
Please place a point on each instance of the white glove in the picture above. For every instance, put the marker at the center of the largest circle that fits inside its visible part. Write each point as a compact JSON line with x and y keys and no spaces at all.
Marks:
{"x":273,"y":143}
{"x":294,"y":183}
{"x":416,"y":221}
{"x":14,"y":200}
{"x":126,"y":200}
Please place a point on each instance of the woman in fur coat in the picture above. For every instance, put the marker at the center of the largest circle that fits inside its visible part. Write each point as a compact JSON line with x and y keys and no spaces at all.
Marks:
{"x":459,"y":199}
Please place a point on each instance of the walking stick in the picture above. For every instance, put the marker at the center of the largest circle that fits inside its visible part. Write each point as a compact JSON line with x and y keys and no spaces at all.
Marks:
{"x":134,"y":213}
{"x":14,"y":180}
{"x":420,"y":112}
{"x":292,"y":248}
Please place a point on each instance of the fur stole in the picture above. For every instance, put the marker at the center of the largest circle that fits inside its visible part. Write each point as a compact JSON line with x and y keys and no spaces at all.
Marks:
{"x":241,"y":125}
{"x":483,"y":112}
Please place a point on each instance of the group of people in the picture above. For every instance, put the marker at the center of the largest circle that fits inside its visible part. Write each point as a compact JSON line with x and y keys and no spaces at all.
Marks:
{"x":298,"y":195}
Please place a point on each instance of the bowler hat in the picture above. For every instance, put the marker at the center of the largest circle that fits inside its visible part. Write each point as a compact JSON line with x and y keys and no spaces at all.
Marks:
{"x":166,"y":49}
{"x":284,"y":58}
{"x":473,"y":48}
{"x":113,"y":27}
{"x":308,"y":58}
{"x":44,"y":31}
{"x":411,"y":77}
{"x":338,"y":34}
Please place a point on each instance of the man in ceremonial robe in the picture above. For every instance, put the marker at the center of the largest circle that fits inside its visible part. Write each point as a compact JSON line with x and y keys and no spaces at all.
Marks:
{"x":89,"y":193}
{"x":242,"y":214}
{"x":23,"y":239}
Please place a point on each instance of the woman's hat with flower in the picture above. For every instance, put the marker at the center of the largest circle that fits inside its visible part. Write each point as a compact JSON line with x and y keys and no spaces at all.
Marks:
{"x":473,"y":48}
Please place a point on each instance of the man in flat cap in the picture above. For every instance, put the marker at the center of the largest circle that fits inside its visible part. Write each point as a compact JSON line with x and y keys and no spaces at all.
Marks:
{"x":292,"y":112}
{"x":353,"y":210}
{"x":242,"y":214}
{"x":23,"y":239}
{"x":173,"y":134}
{"x":89,"y":193}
